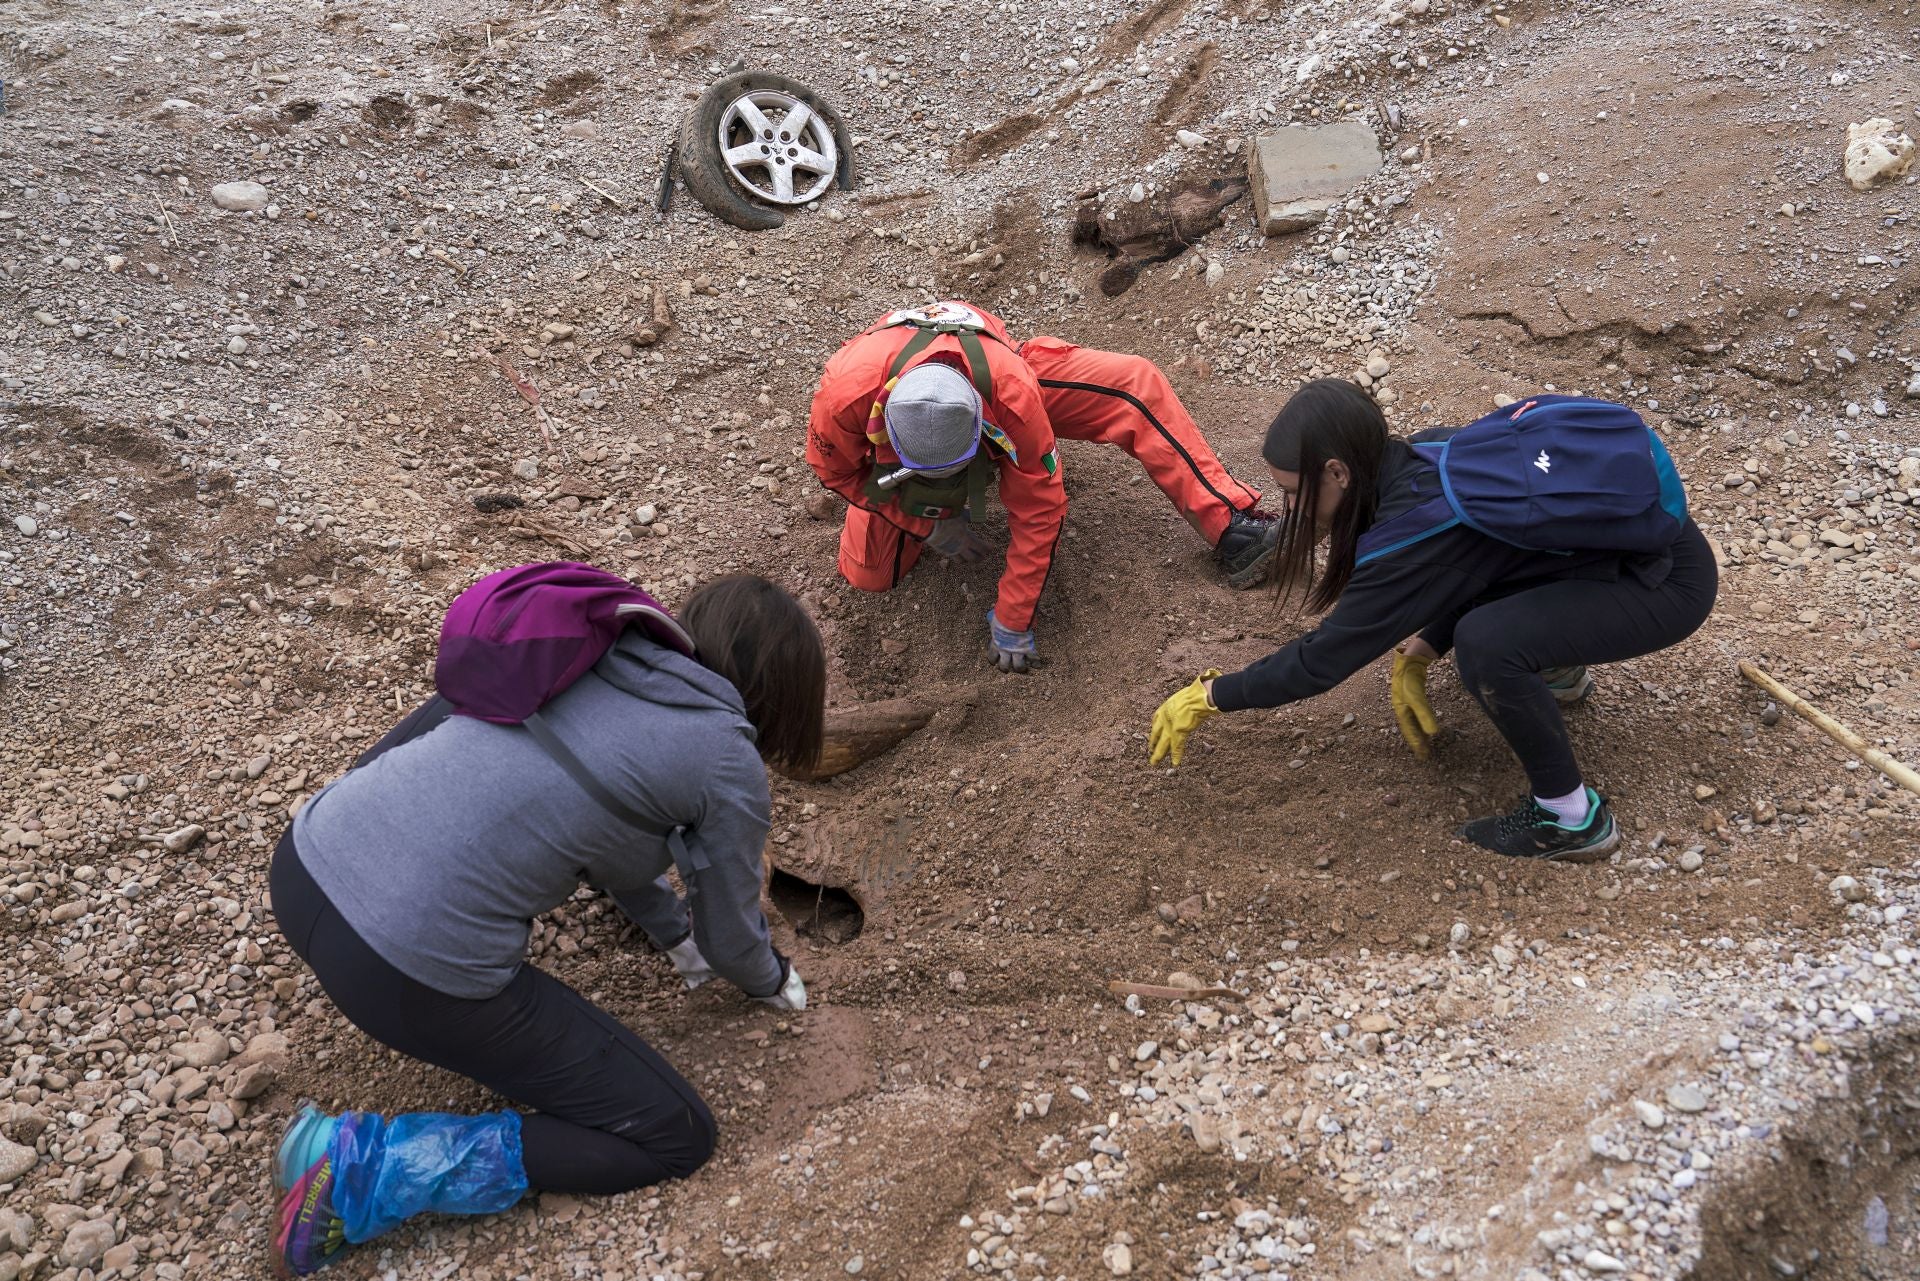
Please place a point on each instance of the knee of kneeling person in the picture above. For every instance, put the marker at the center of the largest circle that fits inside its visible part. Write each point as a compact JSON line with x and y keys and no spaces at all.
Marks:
{"x":693,"y":1146}
{"x":1140,"y":375}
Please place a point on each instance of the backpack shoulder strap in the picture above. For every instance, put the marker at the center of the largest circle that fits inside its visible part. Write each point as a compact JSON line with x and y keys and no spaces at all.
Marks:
{"x":1416,"y":525}
{"x":563,"y":756}
{"x":1436,"y":515}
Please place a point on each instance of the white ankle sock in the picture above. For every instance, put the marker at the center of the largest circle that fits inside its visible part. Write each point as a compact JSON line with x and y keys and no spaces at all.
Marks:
{"x":1571,"y":809}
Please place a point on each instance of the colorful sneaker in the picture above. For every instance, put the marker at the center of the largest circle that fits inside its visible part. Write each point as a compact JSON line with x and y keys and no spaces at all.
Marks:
{"x":1569,"y":685}
{"x":1534,"y":831}
{"x":304,"y":1143}
{"x":1247,"y":546}
{"x":312,"y":1233}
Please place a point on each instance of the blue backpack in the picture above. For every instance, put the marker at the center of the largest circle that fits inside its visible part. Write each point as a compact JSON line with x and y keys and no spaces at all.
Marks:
{"x":1554,"y":474}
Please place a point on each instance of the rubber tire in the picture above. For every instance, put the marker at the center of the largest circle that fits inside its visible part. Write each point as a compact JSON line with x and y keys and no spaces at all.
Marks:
{"x":706,"y":175}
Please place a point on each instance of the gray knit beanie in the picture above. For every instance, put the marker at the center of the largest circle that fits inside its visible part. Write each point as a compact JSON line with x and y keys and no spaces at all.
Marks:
{"x":933,"y":417}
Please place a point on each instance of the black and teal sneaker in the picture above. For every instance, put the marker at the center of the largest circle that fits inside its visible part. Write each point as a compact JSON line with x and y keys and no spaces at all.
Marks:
{"x":1534,"y":831}
{"x":1569,"y":685}
{"x":1247,"y":546}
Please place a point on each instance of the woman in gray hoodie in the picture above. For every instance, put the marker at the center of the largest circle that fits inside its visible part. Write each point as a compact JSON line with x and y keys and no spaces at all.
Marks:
{"x":409,"y":886}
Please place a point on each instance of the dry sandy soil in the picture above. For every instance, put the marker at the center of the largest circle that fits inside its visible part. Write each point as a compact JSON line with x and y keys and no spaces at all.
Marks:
{"x":238,"y":459}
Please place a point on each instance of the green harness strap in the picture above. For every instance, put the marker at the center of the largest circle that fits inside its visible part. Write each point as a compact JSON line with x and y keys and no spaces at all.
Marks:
{"x":949,"y":495}
{"x":969,"y":347}
{"x":941,"y":498}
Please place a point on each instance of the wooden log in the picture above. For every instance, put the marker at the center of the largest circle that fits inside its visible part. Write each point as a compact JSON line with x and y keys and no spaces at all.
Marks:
{"x":659,"y":319}
{"x":856,"y":735}
{"x":1899,"y":773}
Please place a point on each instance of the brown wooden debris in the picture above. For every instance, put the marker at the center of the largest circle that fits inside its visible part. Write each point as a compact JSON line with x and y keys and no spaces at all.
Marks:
{"x":659,"y":321}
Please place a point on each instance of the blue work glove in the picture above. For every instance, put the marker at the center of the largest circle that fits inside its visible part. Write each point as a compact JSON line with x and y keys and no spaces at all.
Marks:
{"x":1011,"y":651}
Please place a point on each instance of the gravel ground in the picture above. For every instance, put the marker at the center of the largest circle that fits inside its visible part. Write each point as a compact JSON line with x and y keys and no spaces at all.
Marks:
{"x":253,"y":437}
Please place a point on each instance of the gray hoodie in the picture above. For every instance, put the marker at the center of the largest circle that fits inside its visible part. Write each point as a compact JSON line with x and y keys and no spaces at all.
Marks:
{"x":439,"y":852}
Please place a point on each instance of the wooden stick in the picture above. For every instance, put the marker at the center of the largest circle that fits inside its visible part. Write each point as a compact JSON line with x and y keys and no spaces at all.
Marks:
{"x":166,"y":220}
{"x":1839,"y":733}
{"x":530,"y":394}
{"x":611,"y":199}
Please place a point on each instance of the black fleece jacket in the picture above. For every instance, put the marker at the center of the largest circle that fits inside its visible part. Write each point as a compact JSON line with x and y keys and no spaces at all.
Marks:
{"x":1424,"y":589}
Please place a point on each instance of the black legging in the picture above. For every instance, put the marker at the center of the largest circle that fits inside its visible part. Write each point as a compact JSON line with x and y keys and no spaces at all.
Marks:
{"x":613,"y":1116}
{"x":1501,"y":647}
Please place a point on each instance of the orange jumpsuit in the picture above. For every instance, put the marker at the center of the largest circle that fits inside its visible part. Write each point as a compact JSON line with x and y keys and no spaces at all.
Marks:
{"x":1047,"y":388}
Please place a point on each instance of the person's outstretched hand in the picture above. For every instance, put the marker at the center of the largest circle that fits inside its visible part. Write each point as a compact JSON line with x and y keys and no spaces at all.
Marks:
{"x":688,"y":962}
{"x":792,"y":994}
{"x":1418,"y":724}
{"x":954,"y":539}
{"x":1011,"y":651}
{"x":1178,"y":717}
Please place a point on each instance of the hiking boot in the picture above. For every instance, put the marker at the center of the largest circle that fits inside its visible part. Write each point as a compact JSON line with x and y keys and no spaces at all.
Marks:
{"x":1246,"y":548}
{"x":1569,"y":685}
{"x":1534,"y":831}
{"x":304,"y":1143}
{"x":311,"y":1233}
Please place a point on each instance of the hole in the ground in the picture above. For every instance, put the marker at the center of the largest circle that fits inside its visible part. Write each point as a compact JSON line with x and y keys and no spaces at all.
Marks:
{"x":389,"y":113}
{"x":824,"y":912}
{"x":1842,"y":1199}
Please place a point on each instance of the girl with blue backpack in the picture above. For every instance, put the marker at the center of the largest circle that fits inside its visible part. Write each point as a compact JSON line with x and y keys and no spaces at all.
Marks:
{"x":1546,"y":537}
{"x":580,"y":735}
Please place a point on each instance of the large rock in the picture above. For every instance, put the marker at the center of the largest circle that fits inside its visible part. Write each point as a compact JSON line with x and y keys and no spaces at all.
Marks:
{"x":252,"y":1080}
{"x":1877,"y":153}
{"x":1302,"y":171}
{"x":207,"y":1048}
{"x":267,"y":1047}
{"x":87,"y":1243}
{"x":15,"y":1160}
{"x":179,"y":842}
{"x":240,"y":196}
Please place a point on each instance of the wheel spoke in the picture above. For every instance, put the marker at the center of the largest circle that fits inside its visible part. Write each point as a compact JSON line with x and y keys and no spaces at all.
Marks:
{"x":745,"y":154}
{"x":811,"y":161}
{"x":754,"y":117}
{"x":796,"y":121}
{"x":782,"y":182}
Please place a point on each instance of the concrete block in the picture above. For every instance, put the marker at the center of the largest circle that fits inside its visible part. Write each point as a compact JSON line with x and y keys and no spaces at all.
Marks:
{"x":1302,"y":171}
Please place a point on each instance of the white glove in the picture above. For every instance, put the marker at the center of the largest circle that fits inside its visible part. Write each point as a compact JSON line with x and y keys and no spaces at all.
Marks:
{"x":792,"y":994}
{"x":688,"y":962}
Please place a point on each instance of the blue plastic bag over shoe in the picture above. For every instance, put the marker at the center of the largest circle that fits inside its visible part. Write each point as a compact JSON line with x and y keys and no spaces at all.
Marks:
{"x":386,"y":1171}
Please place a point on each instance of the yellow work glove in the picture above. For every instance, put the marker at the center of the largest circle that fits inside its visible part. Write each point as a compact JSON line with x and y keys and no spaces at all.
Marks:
{"x":1418,"y":724}
{"x":1178,"y":717}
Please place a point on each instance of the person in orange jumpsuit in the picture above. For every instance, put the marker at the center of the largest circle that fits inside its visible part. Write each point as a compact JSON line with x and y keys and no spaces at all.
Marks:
{"x":917,"y":412}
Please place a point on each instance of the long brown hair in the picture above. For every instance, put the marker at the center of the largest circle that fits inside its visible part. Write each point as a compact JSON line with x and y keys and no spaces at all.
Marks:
{"x":759,"y":638}
{"x":1327,"y":419}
